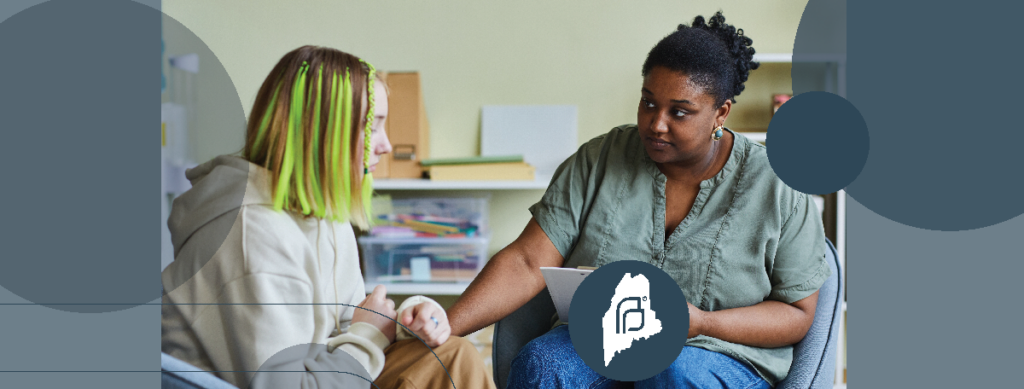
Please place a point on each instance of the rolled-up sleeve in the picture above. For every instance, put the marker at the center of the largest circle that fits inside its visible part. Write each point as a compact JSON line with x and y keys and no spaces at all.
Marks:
{"x":560,"y":210}
{"x":799,"y":268}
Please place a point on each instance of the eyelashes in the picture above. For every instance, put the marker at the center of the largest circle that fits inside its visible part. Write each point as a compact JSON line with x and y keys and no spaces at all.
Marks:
{"x":675,"y":112}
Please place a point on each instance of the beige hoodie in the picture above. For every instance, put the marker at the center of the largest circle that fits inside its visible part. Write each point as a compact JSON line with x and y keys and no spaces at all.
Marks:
{"x":231,"y":249}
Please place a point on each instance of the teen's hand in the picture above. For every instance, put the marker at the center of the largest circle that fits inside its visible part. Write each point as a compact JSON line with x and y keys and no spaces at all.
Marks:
{"x":418,"y":320}
{"x":378,"y":302}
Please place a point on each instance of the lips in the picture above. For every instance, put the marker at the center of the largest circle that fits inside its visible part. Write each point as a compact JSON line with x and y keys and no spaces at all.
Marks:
{"x":657,"y":144}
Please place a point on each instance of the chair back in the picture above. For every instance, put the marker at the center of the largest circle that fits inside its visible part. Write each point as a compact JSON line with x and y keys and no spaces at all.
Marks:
{"x":814,"y":358}
{"x":178,"y":374}
{"x":516,"y":330}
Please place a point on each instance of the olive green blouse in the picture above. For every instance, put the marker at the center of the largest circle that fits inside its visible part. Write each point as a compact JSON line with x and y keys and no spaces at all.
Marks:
{"x":748,"y":237}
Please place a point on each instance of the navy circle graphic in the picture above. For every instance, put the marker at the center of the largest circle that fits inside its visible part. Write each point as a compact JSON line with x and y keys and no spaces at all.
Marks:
{"x":615,"y":317}
{"x":818,"y":143}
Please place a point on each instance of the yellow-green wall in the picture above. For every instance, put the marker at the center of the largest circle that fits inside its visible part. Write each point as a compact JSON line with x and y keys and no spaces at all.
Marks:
{"x":472,"y":53}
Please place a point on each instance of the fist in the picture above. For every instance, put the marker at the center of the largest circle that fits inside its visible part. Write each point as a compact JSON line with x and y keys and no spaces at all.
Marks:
{"x":418,"y":320}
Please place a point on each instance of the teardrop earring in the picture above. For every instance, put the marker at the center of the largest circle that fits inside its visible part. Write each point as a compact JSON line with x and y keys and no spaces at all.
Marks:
{"x":716,"y":134}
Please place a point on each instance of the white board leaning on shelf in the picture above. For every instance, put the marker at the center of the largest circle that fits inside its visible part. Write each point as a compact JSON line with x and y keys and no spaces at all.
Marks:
{"x":545,"y":135}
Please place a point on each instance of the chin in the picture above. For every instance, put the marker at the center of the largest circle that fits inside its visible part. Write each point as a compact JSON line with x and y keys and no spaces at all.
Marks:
{"x":659,"y":156}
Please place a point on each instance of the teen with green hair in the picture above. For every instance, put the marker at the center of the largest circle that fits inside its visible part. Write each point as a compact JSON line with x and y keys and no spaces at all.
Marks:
{"x":265,"y":253}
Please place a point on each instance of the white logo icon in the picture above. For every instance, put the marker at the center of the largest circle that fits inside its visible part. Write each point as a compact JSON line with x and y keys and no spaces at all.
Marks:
{"x":629,"y":317}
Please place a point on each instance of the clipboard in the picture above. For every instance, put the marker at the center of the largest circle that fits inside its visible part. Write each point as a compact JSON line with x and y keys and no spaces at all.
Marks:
{"x":562,"y":283}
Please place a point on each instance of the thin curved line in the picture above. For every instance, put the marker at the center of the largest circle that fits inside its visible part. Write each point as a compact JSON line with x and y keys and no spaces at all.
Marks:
{"x":206,"y":371}
{"x":304,"y":371}
{"x":348,"y":305}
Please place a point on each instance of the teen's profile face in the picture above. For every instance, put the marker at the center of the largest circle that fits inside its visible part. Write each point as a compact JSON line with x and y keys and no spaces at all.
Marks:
{"x":379,"y":144}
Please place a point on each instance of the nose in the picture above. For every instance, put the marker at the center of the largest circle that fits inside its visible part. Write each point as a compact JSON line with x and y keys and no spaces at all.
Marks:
{"x":385,"y":145}
{"x":659,"y":124}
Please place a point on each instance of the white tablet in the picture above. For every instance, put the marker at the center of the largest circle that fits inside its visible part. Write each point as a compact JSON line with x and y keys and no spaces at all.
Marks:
{"x":562,"y":283}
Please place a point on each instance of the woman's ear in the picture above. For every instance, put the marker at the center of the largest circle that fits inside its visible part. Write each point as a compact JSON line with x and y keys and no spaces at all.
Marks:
{"x":723,"y":112}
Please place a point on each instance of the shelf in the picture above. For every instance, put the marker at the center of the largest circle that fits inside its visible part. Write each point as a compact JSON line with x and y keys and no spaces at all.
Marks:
{"x":430,"y":289}
{"x":773,"y":57}
{"x":820,"y":57}
{"x":754,"y":136}
{"x":788,"y":57}
{"x":541,"y":182}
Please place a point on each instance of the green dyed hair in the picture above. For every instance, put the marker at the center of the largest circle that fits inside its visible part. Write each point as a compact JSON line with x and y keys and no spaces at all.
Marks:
{"x":304,"y":128}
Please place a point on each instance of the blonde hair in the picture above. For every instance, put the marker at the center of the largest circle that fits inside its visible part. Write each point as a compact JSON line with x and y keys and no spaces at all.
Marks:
{"x":305,"y":127}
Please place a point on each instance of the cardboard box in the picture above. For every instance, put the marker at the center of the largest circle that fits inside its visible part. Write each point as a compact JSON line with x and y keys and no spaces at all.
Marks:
{"x":407,"y":128}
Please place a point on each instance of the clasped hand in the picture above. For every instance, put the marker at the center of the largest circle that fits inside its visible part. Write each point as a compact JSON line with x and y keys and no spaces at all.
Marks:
{"x":419,"y":319}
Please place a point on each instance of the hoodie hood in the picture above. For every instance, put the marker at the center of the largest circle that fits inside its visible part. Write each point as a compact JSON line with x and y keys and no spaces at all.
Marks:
{"x":219,"y":186}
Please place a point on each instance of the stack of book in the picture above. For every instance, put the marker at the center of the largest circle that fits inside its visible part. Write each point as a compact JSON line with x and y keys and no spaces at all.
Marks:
{"x":493,"y":168}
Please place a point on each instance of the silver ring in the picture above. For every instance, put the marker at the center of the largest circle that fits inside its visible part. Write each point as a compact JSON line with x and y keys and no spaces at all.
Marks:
{"x":436,"y":323}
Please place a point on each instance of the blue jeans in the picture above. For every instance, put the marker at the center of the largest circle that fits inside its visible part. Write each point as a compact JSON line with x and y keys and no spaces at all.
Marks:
{"x":550,"y":361}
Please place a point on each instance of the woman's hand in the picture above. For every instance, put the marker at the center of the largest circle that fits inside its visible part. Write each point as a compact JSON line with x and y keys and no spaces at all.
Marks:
{"x":378,"y":302}
{"x":418,"y":320}
{"x":696,"y":320}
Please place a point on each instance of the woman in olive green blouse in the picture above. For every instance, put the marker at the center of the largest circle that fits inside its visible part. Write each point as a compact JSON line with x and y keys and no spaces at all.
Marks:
{"x":681,"y":192}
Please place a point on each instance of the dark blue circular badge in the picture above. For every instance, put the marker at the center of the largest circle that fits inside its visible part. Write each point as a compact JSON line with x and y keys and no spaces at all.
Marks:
{"x":629,"y":320}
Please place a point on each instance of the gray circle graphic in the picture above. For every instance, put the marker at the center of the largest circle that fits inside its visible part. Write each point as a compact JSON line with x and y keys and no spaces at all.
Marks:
{"x":215,"y":214}
{"x":819,"y":143}
{"x":938,"y":108}
{"x":310,"y":363}
{"x":595,"y":318}
{"x":81,"y":106}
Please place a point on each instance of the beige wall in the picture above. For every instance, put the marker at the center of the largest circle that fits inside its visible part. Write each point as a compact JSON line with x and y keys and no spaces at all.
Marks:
{"x":473,"y":53}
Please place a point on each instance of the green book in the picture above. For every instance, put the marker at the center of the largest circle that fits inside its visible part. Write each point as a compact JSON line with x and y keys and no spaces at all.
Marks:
{"x":472,"y":160}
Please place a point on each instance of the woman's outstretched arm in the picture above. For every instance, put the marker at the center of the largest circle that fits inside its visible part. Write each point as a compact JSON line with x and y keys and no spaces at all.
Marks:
{"x":510,"y":279}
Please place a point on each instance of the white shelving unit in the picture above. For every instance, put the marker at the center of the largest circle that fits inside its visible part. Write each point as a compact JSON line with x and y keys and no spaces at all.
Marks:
{"x":540,"y":182}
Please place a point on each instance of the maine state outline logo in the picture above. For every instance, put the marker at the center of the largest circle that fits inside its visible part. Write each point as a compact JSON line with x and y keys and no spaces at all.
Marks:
{"x":629,"y":320}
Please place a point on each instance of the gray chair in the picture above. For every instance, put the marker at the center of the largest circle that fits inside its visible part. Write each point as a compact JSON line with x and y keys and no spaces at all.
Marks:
{"x":813,"y":358}
{"x":177,"y":374}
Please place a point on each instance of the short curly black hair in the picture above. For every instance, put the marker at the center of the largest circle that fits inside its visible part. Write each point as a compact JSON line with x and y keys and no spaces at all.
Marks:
{"x":716,"y":56}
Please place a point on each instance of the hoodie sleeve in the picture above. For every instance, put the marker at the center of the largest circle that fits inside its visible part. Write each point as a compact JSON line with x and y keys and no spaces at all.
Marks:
{"x":257,"y":333}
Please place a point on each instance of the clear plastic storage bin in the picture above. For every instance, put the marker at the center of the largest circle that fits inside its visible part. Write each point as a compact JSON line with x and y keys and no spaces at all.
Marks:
{"x":427,"y":241}
{"x":422,"y":260}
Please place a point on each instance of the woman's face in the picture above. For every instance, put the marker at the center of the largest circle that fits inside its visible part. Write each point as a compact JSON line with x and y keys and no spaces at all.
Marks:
{"x":676,"y":117}
{"x":379,"y":144}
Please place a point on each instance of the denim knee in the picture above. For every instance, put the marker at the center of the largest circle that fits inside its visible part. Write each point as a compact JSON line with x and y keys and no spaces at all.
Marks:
{"x":533,"y":358}
{"x":699,"y":368}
